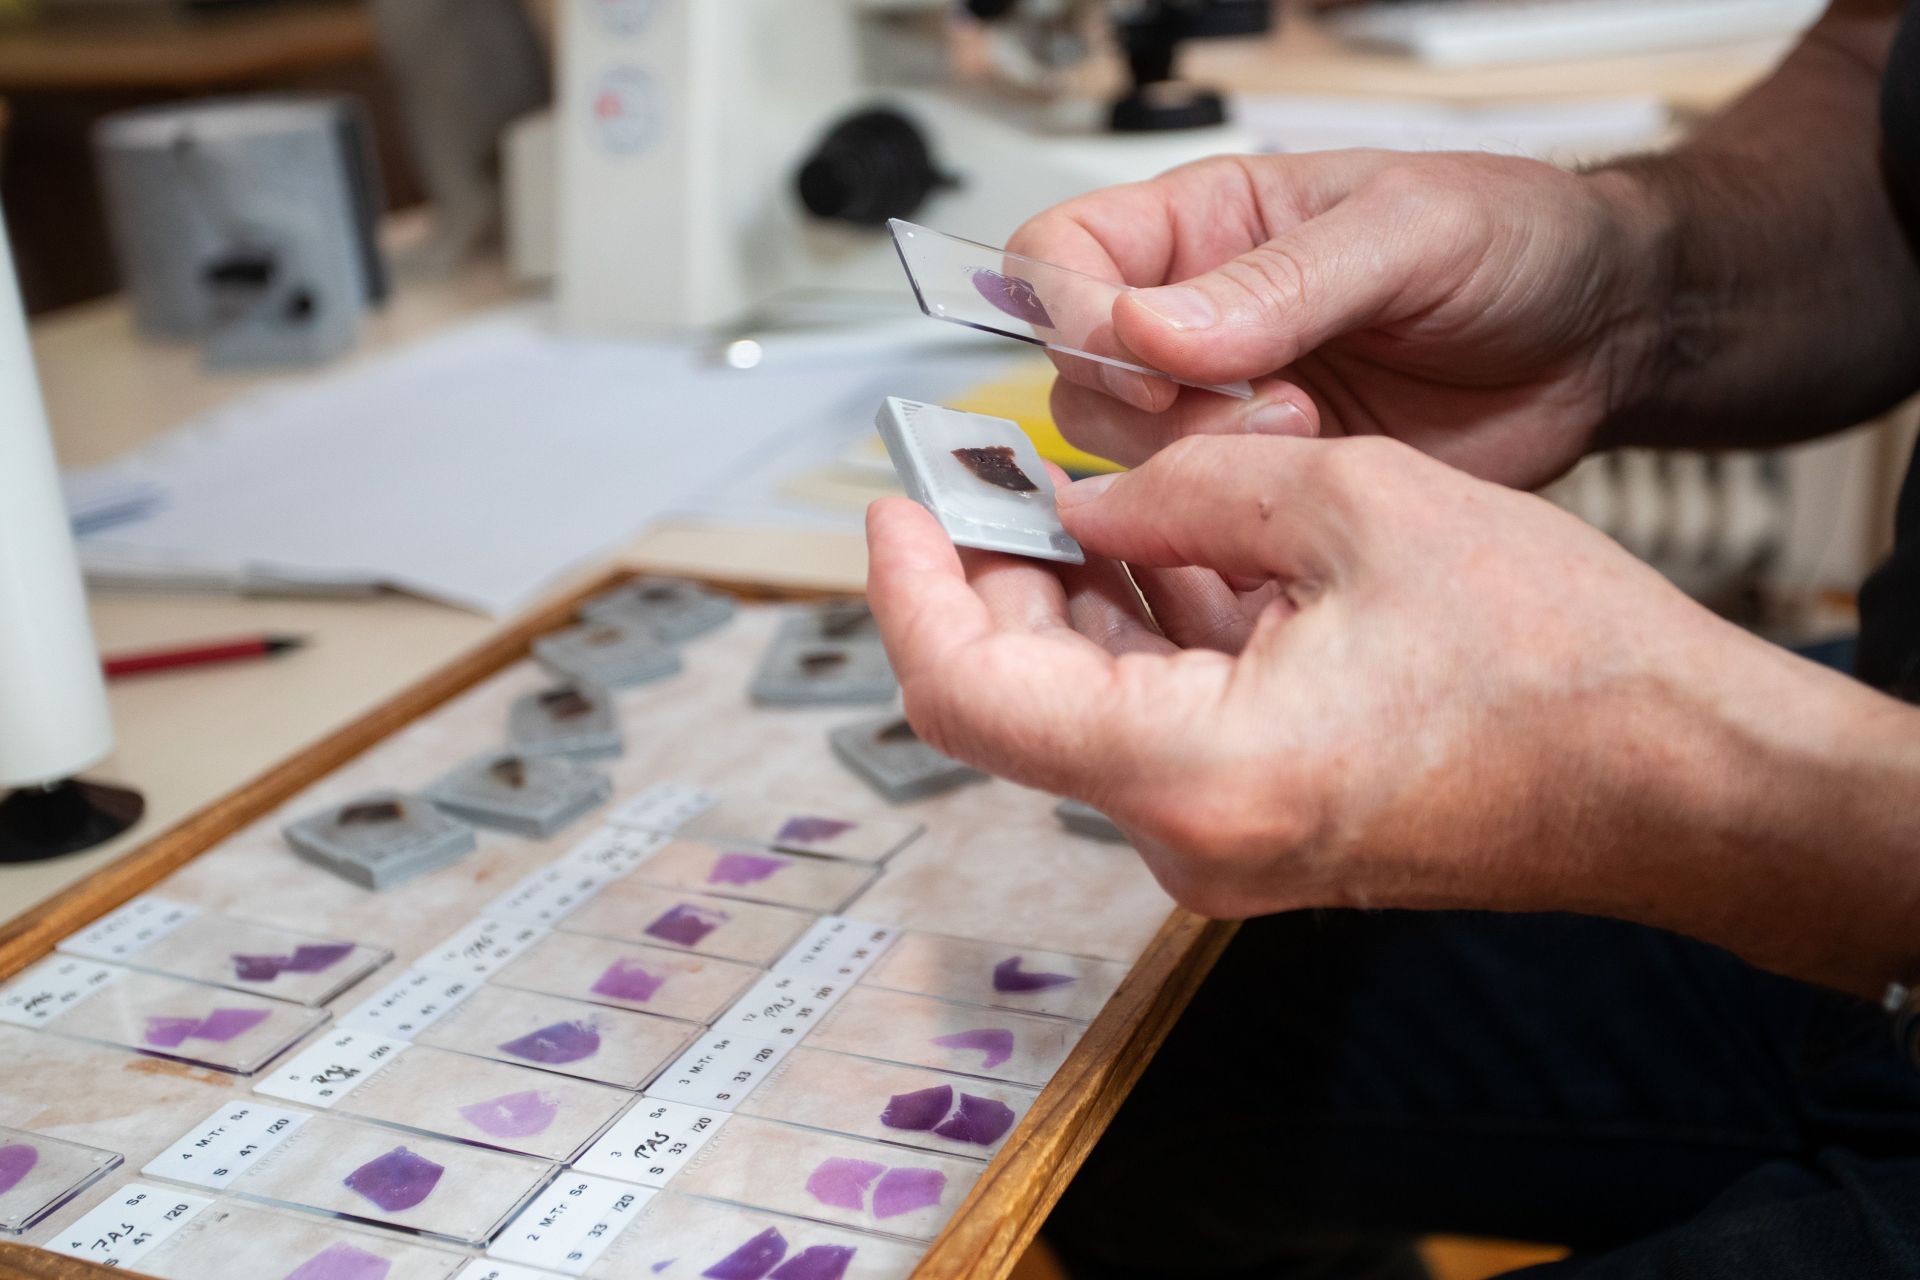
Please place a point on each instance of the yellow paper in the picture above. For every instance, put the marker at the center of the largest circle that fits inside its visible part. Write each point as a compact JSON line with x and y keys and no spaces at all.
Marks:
{"x":1021,"y":394}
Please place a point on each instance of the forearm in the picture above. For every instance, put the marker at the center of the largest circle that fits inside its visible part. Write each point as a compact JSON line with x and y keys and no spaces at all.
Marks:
{"x":1785,"y":293}
{"x":1778,"y":815}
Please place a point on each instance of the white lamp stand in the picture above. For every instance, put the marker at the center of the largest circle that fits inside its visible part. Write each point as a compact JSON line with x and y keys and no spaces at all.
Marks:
{"x":53,"y":699}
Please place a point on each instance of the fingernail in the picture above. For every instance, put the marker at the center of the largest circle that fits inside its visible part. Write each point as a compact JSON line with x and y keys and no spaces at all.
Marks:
{"x":1180,"y":306}
{"x":1278,"y":418}
{"x":1084,"y":490}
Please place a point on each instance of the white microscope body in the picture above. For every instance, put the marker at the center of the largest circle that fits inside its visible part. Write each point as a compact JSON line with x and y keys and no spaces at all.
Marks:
{"x":693,"y":135}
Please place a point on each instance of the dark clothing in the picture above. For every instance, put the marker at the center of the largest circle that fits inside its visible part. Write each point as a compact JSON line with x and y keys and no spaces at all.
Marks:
{"x":1888,"y":656}
{"x":1889,"y":653}
{"x":1346,"y":1080}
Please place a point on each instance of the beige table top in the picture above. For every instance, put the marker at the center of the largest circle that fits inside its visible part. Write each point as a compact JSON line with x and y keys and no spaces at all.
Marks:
{"x":187,"y":738}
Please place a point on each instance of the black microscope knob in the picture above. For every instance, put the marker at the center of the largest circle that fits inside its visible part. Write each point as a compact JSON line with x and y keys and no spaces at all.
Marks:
{"x":871,"y":166}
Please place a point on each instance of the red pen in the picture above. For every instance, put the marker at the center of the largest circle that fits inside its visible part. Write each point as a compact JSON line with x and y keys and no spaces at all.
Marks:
{"x":206,"y":653}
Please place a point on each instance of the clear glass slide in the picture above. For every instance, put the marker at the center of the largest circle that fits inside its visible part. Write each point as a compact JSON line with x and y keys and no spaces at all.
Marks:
{"x":1015,"y":296}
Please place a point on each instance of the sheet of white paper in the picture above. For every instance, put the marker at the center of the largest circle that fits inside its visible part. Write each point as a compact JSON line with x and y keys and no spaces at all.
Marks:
{"x":473,"y":467}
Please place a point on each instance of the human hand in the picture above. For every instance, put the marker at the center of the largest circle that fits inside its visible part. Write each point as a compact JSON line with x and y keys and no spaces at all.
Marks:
{"x":1456,"y":695}
{"x":1490,"y":311}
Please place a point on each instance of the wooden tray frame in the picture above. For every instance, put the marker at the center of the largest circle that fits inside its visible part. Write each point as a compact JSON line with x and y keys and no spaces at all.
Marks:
{"x":993,"y":1226}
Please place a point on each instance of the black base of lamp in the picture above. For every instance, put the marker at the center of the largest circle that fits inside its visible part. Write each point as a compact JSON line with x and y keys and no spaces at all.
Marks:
{"x":64,"y":817}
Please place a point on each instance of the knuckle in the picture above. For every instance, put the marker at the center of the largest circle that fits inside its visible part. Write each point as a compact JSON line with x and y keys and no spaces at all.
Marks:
{"x":1187,"y":454}
{"x":926,"y":710}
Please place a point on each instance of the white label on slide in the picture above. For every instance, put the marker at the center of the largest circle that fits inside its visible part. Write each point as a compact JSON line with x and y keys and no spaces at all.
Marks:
{"x":837,"y":948}
{"x":719,"y":1070}
{"x":481,"y":947}
{"x":782,"y":1006}
{"x":616,"y":850}
{"x":121,"y":935}
{"x":223,"y":1148}
{"x":652,"y":1142}
{"x":571,"y":1223}
{"x":331,"y":1068}
{"x":664,"y":807}
{"x":409,"y":1004}
{"x":547,"y":896}
{"x":125,"y":1229}
{"x":52,"y":987}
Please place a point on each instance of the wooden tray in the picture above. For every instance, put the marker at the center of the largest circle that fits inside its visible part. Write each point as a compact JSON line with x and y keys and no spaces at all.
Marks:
{"x":996,"y":1222}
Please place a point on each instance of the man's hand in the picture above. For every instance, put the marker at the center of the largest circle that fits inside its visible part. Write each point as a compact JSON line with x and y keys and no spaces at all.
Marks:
{"x":1449,"y":694}
{"x":1493,"y":312}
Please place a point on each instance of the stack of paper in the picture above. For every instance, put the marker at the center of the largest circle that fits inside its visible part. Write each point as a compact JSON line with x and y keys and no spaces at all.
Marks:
{"x":472,"y":468}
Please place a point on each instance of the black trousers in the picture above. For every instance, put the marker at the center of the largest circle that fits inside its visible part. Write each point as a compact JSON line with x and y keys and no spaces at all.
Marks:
{"x":1346,"y":1081}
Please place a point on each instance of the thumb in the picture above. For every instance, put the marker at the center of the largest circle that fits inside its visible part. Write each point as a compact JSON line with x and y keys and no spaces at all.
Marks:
{"x":1274,"y":304}
{"x":1255,"y":507}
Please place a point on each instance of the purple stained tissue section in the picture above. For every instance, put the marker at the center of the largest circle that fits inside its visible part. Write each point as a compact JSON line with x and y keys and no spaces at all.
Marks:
{"x":318,"y":956}
{"x":843,"y":1183}
{"x":1009,"y":976}
{"x":16,"y":1162}
{"x":751,"y":1260}
{"x":258,"y":968}
{"x":555,"y":1044}
{"x":312,"y":958}
{"x":221,"y":1025}
{"x":658,"y":1267}
{"x":742,"y":868}
{"x":904,"y":1190}
{"x":816,"y":1262}
{"x":513,"y":1115}
{"x":225,"y":1024}
{"x":922,"y":1109}
{"x":342,"y":1262}
{"x":993,"y":1044}
{"x":166,"y":1033}
{"x":396,"y":1181}
{"x":809,"y":830}
{"x":1013,"y":296}
{"x":627,"y":980}
{"x":981,"y":1121}
{"x":686,"y":924}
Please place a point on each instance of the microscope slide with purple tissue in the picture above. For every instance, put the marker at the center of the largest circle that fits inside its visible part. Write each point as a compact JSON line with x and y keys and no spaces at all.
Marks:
{"x":683,"y":1235}
{"x":652,"y":915}
{"x":755,"y":874}
{"x":890,"y":1102}
{"x":163,"y":936}
{"x":828,"y":831}
{"x":626,"y":975}
{"x":896,"y":1026}
{"x":435,"y":1091}
{"x":230,"y":1240}
{"x":347,"y":1168}
{"x":1007,"y":977}
{"x":153,"y":1014}
{"x":981,"y":287}
{"x":830,"y":1177}
{"x":38,"y":1174}
{"x":534,"y":1029}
